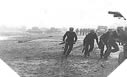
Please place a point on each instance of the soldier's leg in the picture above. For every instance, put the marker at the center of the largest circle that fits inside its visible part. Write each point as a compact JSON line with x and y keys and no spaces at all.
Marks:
{"x":65,"y":48}
{"x":108,"y":51}
{"x":102,"y":51}
{"x":91,"y":48}
{"x":69,"y":49}
{"x":101,"y":47}
{"x":83,"y":49}
{"x":86,"y":50}
{"x":119,"y":42}
{"x":123,"y":55}
{"x":115,"y":46}
{"x":125,"y":50}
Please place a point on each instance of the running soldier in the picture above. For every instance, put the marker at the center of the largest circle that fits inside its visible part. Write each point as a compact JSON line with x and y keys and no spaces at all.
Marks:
{"x":111,"y":42}
{"x":102,"y":43}
{"x":71,"y":39}
{"x":88,"y":42}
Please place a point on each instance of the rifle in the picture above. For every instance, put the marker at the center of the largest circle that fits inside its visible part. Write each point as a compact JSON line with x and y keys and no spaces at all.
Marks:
{"x":62,"y":43}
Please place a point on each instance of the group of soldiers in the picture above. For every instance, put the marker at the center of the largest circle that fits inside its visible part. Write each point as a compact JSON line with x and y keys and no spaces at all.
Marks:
{"x":110,"y":39}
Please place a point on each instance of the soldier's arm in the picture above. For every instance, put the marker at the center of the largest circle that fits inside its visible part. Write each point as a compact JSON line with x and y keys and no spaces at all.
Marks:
{"x":75,"y":37}
{"x":84,"y":41}
{"x":64,"y":36}
{"x":96,"y":37}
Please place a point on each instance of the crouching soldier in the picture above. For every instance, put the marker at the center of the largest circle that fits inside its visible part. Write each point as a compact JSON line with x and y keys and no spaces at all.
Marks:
{"x":69,"y":38}
{"x":111,"y":43}
{"x":123,"y":39}
{"x":88,"y":42}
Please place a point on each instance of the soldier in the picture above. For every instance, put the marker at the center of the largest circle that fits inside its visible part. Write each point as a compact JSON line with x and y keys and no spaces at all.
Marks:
{"x":71,"y":38}
{"x":102,"y":43}
{"x":123,"y":39}
{"x":111,"y":42}
{"x":88,"y":42}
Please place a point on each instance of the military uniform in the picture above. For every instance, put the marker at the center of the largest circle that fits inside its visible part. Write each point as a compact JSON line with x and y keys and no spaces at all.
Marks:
{"x":88,"y":43}
{"x":102,"y":43}
{"x":71,"y":38}
{"x":108,"y":39}
{"x":123,"y":39}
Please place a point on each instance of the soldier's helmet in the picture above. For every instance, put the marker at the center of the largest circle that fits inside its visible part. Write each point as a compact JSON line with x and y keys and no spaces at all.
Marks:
{"x":110,"y":30}
{"x":71,"y":28}
{"x":92,"y":31}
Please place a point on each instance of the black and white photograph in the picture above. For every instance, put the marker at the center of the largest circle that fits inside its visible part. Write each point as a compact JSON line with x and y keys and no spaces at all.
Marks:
{"x":63,"y":38}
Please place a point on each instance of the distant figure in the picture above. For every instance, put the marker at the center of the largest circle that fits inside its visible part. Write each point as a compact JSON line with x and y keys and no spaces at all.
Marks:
{"x":71,"y":39}
{"x":88,"y":42}
{"x":84,"y":32}
{"x":81,"y":30}
{"x":111,"y":43}
{"x":77,"y":31}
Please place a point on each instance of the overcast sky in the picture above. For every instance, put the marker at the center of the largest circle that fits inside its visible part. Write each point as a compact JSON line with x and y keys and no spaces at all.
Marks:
{"x":60,"y":13}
